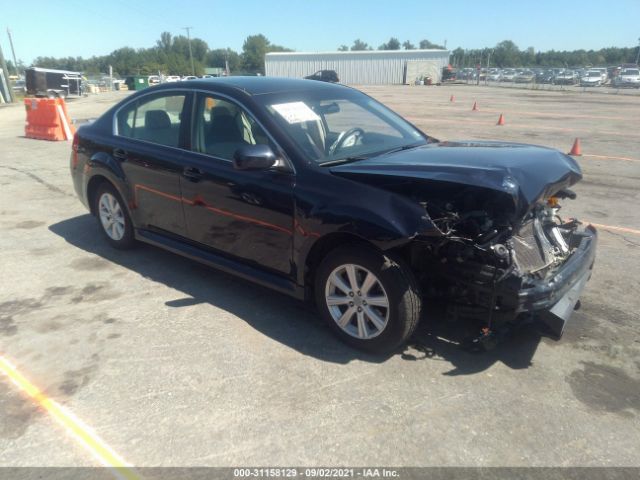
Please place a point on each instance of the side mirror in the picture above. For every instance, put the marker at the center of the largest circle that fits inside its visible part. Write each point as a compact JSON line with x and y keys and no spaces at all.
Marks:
{"x":333,"y":107}
{"x":254,"y":157}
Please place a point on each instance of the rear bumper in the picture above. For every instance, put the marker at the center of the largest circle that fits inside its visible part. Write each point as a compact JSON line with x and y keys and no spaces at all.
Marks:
{"x":79,"y":181}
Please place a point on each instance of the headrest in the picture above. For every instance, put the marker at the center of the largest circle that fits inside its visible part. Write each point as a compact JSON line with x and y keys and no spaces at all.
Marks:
{"x":157,"y":119}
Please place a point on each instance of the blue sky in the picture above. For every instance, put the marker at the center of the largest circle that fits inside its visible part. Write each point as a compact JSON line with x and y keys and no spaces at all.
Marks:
{"x":86,"y":27}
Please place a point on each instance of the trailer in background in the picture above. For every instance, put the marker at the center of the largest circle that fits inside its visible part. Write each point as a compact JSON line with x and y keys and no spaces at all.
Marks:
{"x":46,"y":82}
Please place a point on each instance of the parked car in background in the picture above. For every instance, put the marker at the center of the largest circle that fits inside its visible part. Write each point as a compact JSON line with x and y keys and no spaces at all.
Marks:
{"x":19,"y":86}
{"x":580,"y":72}
{"x":544,"y":76}
{"x":508,"y":75}
{"x":495,"y":75}
{"x":604,"y":74}
{"x":467,"y":74}
{"x":628,"y":77}
{"x":324,"y":76}
{"x":526,"y":76}
{"x":172,"y":78}
{"x":189,"y":77}
{"x":592,"y":78}
{"x":567,"y":77}
{"x":153,"y":80}
{"x":320,"y":192}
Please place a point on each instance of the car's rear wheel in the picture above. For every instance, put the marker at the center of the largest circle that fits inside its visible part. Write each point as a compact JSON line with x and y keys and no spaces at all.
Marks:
{"x":113,"y":217}
{"x":370,"y":300}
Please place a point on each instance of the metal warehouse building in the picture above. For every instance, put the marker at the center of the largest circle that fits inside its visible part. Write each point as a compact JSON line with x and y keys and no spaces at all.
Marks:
{"x":371,"y":67}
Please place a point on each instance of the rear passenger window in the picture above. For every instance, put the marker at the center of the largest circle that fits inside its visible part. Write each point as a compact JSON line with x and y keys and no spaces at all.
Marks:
{"x":221,"y":127}
{"x":156,"y":120}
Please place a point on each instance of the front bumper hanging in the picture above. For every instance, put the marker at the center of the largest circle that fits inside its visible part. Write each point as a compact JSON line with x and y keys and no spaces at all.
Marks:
{"x":555,"y":298}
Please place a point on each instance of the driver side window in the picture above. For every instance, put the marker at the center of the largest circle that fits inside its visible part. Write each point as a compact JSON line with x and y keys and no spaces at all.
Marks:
{"x":221,"y":127}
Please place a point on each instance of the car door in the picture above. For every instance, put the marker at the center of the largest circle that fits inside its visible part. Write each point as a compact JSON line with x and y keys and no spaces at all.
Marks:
{"x":244,"y":214}
{"x":149,"y":143}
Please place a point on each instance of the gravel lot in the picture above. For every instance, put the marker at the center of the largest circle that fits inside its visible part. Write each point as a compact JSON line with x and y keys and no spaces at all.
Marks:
{"x":174,"y":364}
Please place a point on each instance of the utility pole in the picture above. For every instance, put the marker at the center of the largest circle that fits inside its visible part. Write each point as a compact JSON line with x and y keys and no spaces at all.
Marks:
{"x":13,"y":52}
{"x":638,"y":55}
{"x":486,"y":78}
{"x":5,"y":88}
{"x":193,"y":70}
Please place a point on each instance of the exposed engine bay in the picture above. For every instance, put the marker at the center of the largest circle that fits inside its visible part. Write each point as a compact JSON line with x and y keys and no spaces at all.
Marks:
{"x":479,"y":226}
{"x":491,"y":244}
{"x":486,"y":254}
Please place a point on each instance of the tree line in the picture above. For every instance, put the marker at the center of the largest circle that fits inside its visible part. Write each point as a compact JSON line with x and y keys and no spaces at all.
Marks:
{"x":392,"y":44}
{"x":170,"y":55}
{"x":507,"y":54}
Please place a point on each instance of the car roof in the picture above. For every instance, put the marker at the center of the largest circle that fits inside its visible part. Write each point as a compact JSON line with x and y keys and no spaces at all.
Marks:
{"x":263,"y":85}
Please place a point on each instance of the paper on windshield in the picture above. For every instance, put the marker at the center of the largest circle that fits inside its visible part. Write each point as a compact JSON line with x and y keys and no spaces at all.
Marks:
{"x":296,"y":112}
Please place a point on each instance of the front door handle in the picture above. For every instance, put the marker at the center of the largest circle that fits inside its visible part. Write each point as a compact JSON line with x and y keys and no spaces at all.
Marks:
{"x":120,"y":154}
{"x":192,"y":174}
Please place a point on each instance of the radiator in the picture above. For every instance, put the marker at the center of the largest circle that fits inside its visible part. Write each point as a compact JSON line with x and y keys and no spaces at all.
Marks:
{"x":528,"y":247}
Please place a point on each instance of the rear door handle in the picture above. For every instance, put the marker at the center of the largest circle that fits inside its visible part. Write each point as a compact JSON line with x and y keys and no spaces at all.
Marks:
{"x":192,"y":174}
{"x":120,"y":154}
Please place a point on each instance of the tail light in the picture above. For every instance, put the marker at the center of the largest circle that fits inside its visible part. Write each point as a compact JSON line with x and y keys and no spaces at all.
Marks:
{"x":74,"y":151}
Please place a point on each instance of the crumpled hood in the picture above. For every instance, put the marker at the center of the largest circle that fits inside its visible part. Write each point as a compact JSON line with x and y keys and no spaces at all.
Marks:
{"x":527,"y":173}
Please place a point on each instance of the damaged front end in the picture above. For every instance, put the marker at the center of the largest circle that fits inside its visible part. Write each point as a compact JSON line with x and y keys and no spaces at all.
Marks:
{"x":502,"y":253}
{"x":491,"y":267}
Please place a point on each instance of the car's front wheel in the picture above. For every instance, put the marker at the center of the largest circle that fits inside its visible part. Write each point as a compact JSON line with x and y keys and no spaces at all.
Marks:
{"x":370,"y":300}
{"x":113,"y":217}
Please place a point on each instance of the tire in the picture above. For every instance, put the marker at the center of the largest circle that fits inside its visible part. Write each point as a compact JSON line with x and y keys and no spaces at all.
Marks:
{"x":366,"y":325}
{"x":113,"y":217}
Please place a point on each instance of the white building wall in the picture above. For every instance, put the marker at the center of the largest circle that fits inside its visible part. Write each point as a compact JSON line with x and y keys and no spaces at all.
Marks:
{"x":356,"y":68}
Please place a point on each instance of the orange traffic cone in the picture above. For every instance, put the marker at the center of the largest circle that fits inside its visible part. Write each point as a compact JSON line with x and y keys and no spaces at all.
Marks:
{"x":475,"y":107}
{"x":452,"y":99}
{"x":501,"y":120}
{"x":576,"y":150}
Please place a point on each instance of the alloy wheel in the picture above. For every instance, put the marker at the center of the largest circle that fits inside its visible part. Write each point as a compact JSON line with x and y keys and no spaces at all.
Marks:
{"x":111,"y":216}
{"x":357,"y":301}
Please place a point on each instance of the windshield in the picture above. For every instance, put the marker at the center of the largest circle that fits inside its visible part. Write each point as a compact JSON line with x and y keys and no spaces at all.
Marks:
{"x":328,"y":128}
{"x":631,"y":72}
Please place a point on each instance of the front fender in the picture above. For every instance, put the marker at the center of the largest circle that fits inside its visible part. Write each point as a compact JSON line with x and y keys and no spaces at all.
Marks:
{"x":388,"y":221}
{"x":393,"y":223}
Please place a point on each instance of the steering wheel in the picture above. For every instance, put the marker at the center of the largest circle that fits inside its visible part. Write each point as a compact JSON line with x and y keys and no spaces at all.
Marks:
{"x":353,"y":133}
